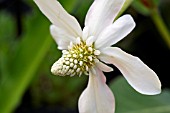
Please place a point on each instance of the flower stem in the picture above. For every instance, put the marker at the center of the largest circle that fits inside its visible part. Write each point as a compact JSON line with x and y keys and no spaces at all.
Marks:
{"x":157,"y":19}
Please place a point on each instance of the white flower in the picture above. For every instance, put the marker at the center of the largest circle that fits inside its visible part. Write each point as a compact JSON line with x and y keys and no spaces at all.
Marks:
{"x":87,"y":52}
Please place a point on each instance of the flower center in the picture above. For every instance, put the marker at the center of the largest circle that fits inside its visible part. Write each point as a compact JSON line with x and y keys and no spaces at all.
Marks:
{"x":76,"y":60}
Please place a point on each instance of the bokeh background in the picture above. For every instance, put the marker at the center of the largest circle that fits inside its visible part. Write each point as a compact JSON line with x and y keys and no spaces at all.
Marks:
{"x":27,"y":52}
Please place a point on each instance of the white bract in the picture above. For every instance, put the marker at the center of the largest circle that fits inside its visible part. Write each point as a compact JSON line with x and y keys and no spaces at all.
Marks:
{"x":88,"y":51}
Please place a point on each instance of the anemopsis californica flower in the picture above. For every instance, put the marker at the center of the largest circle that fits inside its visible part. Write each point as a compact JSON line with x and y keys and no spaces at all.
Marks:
{"x":88,"y":51}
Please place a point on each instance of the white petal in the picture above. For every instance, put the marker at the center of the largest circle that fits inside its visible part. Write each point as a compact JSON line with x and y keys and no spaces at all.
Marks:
{"x":139,"y":75}
{"x":61,"y":37}
{"x":85,"y":33}
{"x":78,"y":40}
{"x":53,"y":10}
{"x":115,"y":32}
{"x":90,"y":40}
{"x":97,"y":97}
{"x":101,"y":14}
{"x":103,"y":67}
{"x":97,"y":52}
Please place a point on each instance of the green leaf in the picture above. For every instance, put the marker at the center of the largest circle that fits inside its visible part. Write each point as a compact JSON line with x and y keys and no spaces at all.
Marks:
{"x":7,"y":27}
{"x":24,"y":63}
{"x":81,"y":9}
{"x":68,"y":4}
{"x":130,"y":101}
{"x":25,"y":60}
{"x":140,"y":7}
{"x":145,"y":7}
{"x":156,"y":2}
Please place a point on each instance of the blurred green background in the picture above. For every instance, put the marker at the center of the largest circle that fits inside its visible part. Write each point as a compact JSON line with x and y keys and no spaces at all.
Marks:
{"x":27,"y":52}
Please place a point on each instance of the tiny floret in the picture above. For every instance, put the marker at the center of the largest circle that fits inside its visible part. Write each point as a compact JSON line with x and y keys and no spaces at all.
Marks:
{"x":77,"y":59}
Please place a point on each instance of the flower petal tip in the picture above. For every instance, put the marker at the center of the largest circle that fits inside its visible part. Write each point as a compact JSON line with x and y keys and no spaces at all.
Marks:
{"x":155,"y":91}
{"x":151,"y":88}
{"x":138,"y":75}
{"x":152,"y":92}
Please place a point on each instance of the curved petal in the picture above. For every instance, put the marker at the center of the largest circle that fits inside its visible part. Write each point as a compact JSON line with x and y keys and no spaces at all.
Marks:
{"x":101,"y":14}
{"x":85,"y":33}
{"x":90,"y":40}
{"x":103,"y":67}
{"x":53,"y":10}
{"x":61,"y":37}
{"x":97,"y":97}
{"x":115,"y":32}
{"x":139,"y":75}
